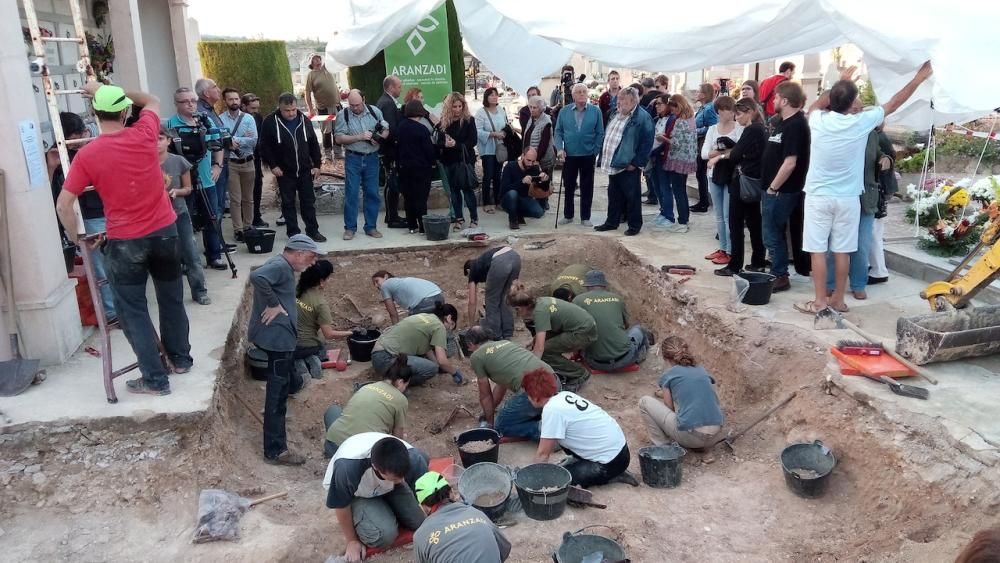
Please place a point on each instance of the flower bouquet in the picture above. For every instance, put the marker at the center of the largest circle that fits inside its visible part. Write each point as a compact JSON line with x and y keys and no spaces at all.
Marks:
{"x":952,"y":214}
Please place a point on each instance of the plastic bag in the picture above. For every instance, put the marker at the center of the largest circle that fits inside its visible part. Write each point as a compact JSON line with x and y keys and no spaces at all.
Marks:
{"x":736,"y":294}
{"x":219,"y":515}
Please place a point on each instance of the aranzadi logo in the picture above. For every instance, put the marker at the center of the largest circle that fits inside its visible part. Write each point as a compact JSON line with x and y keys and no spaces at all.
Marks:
{"x":416,"y":41}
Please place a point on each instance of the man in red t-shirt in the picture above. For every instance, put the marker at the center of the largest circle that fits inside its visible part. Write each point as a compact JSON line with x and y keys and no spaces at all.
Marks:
{"x":785,"y":72}
{"x":123,"y":166}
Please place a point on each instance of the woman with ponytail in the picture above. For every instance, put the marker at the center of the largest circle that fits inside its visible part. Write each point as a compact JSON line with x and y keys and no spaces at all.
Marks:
{"x":315,"y":324}
{"x":376,"y":407}
{"x":561,"y":329}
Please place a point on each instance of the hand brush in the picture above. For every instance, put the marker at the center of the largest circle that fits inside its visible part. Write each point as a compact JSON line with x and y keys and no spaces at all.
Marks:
{"x":859,"y":348}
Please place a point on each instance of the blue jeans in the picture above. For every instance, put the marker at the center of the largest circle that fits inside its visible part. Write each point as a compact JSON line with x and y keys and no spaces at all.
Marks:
{"x":517,"y":417}
{"x":92,"y":226}
{"x":720,"y":195}
{"x":361,"y":177}
{"x":776,"y":211}
{"x":521,"y":205}
{"x":129,"y":264}
{"x":187,"y":251}
{"x":858,"y":276}
{"x":673,"y":188}
{"x":222,"y":186}
{"x":491,"y":179}
{"x":459,"y":192}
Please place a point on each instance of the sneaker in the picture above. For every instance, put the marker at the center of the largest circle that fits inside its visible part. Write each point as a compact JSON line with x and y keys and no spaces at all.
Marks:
{"x":725,"y":272}
{"x":217,"y":264}
{"x":512,"y":224}
{"x":631,"y":232}
{"x":317,"y":237}
{"x":566,"y":221}
{"x":285,"y":458}
{"x":699,"y":208}
{"x":348,"y":235}
{"x":875,"y":281}
{"x":781,"y":283}
{"x":606,"y":227}
{"x":374,"y":233}
{"x":203,"y":299}
{"x":714,"y":255}
{"x":238,"y":236}
{"x":722,"y":258}
{"x":662,"y":221}
{"x":586,"y":223}
{"x":315,"y":367}
{"x":260,"y":223}
{"x":140,"y":387}
{"x":676,"y":228}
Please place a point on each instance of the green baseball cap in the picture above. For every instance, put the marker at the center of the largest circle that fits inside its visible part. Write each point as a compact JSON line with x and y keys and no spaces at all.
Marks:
{"x":428,"y":484}
{"x":111,"y":98}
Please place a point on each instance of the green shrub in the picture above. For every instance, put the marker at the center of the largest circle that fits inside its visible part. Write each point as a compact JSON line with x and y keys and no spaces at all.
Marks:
{"x":912,"y":164}
{"x":951,"y":144}
{"x":368,"y":77}
{"x":260,"y":67}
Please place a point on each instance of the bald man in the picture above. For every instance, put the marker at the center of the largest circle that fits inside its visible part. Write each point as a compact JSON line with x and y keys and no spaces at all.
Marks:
{"x":360,"y":128}
{"x":514,"y":182}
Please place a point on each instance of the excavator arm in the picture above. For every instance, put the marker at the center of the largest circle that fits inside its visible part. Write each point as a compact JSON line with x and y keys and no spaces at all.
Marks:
{"x":958,"y":290}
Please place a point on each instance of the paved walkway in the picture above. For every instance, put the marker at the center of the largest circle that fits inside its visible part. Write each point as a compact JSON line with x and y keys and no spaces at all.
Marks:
{"x":74,"y":390}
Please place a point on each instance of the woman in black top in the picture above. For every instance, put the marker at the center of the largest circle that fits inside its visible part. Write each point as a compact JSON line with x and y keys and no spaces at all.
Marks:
{"x":417,"y":159}
{"x":458,"y":142}
{"x":746,"y":156}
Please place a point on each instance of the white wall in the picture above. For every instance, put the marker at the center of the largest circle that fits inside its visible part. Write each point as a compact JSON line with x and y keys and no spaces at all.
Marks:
{"x":158,"y":49}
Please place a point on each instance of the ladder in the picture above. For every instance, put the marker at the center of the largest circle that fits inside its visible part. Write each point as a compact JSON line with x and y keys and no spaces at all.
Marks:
{"x":83,"y":67}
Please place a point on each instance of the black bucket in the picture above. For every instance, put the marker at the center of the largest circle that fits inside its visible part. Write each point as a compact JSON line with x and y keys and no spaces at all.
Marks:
{"x":436,"y":227}
{"x":470,"y":459}
{"x":576,"y":546}
{"x":661,"y":465}
{"x":257,"y":362}
{"x":543,"y":489}
{"x":259,"y":241}
{"x":486,"y":479}
{"x":807,"y":468}
{"x":361,"y":345}
{"x":761,"y":285}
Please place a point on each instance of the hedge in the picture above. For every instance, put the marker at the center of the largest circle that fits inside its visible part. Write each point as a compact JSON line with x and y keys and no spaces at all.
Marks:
{"x":368,"y":77}
{"x":260,"y":67}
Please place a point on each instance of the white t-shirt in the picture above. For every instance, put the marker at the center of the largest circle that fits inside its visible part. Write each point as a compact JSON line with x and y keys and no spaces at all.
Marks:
{"x":837,"y":152}
{"x":583,"y":427}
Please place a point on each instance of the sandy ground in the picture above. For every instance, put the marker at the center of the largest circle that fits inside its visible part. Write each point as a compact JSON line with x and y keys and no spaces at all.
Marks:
{"x":115,"y":492}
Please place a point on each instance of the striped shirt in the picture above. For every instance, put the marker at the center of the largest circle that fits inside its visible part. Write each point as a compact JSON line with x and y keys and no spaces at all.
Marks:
{"x":612,"y":138}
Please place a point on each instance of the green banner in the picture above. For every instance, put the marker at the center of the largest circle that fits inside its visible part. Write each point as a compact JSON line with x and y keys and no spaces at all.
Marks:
{"x":420,"y":58}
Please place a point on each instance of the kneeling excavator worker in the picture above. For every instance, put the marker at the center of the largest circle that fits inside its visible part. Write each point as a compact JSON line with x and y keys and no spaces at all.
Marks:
{"x":454,"y":532}
{"x":616,"y":347}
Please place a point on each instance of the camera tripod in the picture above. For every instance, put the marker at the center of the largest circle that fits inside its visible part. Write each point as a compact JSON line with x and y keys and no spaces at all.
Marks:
{"x":210,"y":210}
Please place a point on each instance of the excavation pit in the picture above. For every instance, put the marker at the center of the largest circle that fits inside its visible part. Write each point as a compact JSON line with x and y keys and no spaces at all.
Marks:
{"x":127,"y":491}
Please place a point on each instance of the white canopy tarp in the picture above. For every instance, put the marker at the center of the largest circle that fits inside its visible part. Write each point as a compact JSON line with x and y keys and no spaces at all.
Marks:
{"x":524,"y":40}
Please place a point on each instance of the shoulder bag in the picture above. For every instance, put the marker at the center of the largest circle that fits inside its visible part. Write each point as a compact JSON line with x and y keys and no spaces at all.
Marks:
{"x":501,"y":147}
{"x":750,"y":190}
{"x":467,"y":172}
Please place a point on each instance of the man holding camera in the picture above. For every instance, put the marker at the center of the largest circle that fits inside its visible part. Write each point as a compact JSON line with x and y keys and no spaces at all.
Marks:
{"x":123,"y":165}
{"x":209,"y":167}
{"x":360,"y":128}
{"x":288,"y":146}
{"x":392,"y":87}
{"x":242,"y":175}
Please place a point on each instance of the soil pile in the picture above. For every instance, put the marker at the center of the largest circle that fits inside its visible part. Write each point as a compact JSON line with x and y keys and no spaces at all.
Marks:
{"x":478,"y":446}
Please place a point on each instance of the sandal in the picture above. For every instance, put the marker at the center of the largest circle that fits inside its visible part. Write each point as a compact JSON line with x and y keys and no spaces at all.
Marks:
{"x":809,"y":307}
{"x":860,"y":295}
{"x":458,"y":225}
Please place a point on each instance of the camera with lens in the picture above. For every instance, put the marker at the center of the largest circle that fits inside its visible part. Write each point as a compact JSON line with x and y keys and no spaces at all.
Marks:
{"x":377,"y":132}
{"x":193,"y":141}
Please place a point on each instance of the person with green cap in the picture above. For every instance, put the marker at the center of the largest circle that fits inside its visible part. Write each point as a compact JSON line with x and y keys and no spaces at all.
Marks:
{"x":454,"y":532}
{"x":616,"y":346}
{"x":123,"y":166}
{"x":561,"y":330}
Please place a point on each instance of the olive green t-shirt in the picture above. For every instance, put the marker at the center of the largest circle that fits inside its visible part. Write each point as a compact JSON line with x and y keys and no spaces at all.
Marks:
{"x":608,"y":311}
{"x":505,"y":363}
{"x":376,"y":407}
{"x":313,"y":312}
{"x":571,"y":276}
{"x":557,"y":316}
{"x":415,"y":335}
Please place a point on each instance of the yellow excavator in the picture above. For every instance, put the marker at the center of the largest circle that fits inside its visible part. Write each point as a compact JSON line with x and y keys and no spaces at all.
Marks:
{"x":955,"y":330}
{"x":958,"y":290}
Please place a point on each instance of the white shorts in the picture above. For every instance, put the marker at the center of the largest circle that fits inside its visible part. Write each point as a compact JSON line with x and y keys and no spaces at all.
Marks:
{"x":831,"y":223}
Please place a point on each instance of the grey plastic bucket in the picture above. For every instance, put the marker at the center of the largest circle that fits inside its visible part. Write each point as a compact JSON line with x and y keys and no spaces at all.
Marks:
{"x":483,"y":479}
{"x":576,"y":547}
{"x":436,"y":227}
{"x":813,"y":458}
{"x":538,"y":504}
{"x":661,"y":465}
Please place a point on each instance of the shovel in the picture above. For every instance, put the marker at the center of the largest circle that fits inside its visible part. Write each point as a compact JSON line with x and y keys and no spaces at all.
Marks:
{"x":728,"y":440}
{"x":897,"y":388}
{"x":828,"y":319}
{"x":16,"y":374}
{"x":219,"y":514}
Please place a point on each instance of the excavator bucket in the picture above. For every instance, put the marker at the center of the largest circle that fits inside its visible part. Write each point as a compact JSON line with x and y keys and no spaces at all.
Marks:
{"x":941,"y":337}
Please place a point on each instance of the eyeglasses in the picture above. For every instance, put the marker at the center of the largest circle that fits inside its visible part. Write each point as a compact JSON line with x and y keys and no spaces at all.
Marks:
{"x":185,"y":101}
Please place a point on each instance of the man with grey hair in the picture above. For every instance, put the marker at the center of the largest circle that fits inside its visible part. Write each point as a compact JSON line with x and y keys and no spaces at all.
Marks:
{"x":209,"y":94}
{"x":273,"y":329}
{"x":392,"y":86}
{"x":360,"y":127}
{"x":578,"y":138}
{"x":625,"y":152}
